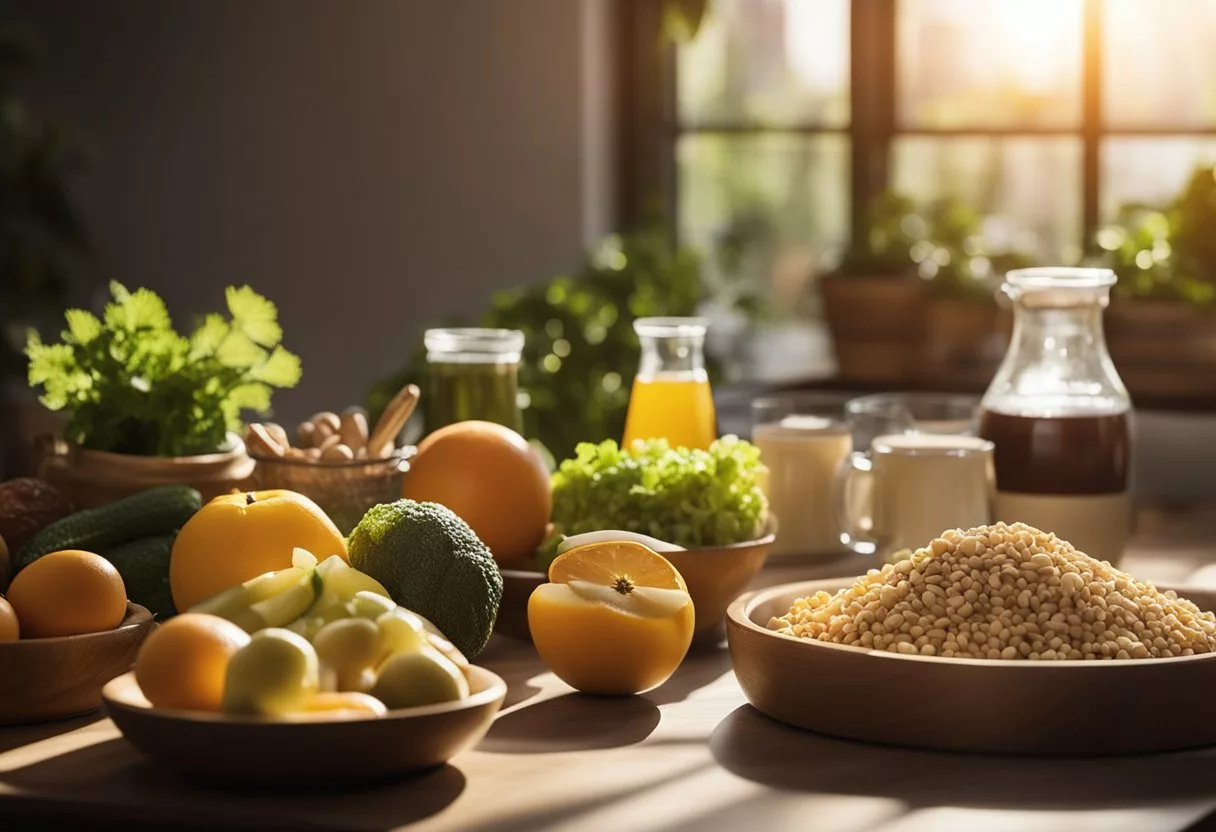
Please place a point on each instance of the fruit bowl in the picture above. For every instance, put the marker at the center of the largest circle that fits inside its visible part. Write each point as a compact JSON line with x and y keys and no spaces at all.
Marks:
{"x":715,"y":577}
{"x":243,"y":750}
{"x":55,"y":678}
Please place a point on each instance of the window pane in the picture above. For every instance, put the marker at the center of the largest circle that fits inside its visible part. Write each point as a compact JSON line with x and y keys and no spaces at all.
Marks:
{"x":1149,"y":171}
{"x":1030,"y":189}
{"x":783,"y":197}
{"x":768,"y":61}
{"x":1161,"y":66}
{"x":989,"y":63}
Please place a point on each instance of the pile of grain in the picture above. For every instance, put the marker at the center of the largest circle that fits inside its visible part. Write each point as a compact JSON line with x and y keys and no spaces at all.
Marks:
{"x":1004,"y":592}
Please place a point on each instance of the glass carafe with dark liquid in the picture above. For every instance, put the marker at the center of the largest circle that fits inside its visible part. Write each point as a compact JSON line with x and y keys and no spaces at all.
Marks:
{"x":1059,"y":414}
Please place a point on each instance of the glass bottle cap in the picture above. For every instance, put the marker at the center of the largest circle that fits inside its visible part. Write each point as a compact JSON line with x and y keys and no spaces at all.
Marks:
{"x":473,"y":345}
{"x":670,"y":327}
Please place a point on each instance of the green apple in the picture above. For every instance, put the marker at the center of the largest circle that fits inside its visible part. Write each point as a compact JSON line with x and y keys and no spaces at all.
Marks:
{"x":417,"y":678}
{"x":274,"y":674}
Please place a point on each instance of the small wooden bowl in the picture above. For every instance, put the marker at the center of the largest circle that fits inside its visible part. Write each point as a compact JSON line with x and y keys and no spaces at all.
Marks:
{"x":55,"y":678}
{"x":1065,"y":708}
{"x":715,"y":577}
{"x":255,"y":751}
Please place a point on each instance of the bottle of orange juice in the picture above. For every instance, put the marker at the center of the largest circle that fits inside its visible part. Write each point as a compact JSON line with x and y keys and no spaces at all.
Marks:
{"x":671,"y":398}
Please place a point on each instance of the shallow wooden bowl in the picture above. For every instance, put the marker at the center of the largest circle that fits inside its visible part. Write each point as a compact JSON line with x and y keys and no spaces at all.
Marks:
{"x":988,"y":706}
{"x":54,"y":678}
{"x":254,"y":751}
{"x":715,"y":577}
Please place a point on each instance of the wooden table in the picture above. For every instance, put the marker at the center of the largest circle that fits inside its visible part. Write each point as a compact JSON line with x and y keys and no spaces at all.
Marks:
{"x":691,"y":754}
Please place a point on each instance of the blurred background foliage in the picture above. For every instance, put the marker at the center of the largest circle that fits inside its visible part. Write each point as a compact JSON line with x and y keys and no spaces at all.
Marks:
{"x":580,"y":350}
{"x":41,"y":235}
{"x":1167,"y":252}
{"x":941,"y":241}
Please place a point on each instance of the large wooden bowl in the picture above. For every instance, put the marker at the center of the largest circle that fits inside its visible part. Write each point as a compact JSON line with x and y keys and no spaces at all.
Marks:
{"x":255,"y":751}
{"x":715,"y":577}
{"x":988,"y":706}
{"x":54,"y":678}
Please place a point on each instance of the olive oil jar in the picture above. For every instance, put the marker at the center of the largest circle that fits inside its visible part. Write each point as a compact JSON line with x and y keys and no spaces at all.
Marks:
{"x":474,"y":374}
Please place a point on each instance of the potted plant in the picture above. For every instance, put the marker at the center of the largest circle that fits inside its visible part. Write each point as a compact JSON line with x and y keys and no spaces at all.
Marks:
{"x":148,"y":406}
{"x":874,"y":301}
{"x":1161,"y":324}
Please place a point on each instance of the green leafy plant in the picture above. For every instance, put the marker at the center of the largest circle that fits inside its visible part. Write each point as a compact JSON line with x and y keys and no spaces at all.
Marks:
{"x":686,"y":497}
{"x":580,"y":351}
{"x":131,"y":384}
{"x":1167,"y":253}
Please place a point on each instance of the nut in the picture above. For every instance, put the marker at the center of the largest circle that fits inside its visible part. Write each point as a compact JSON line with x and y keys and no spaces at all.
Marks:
{"x":277,"y":434}
{"x":260,"y":440}
{"x":353,"y":429}
{"x":337,"y":452}
{"x":306,"y":435}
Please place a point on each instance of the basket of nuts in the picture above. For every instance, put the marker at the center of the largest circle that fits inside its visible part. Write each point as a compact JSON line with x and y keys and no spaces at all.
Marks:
{"x":337,"y":461}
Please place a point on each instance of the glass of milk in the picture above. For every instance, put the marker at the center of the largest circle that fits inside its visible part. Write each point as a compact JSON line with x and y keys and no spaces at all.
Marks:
{"x":803,"y":439}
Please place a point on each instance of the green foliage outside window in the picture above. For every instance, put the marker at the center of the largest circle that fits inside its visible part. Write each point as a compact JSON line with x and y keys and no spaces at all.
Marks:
{"x":1167,"y":253}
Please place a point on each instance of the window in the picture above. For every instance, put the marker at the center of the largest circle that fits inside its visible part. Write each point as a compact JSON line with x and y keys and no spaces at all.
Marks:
{"x":787,"y":116}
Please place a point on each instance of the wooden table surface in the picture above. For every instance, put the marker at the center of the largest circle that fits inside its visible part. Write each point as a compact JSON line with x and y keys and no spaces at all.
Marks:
{"x":691,"y":754}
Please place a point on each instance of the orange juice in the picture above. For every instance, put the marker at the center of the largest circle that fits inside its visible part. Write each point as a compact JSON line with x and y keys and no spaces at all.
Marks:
{"x":678,"y":408}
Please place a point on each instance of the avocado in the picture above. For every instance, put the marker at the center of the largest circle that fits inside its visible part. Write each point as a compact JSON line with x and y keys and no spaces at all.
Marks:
{"x":433,"y":564}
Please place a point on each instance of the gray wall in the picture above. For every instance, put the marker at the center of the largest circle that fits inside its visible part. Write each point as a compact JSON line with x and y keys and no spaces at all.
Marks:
{"x":371,"y":166}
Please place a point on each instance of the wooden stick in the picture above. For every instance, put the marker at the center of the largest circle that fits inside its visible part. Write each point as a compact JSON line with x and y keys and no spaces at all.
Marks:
{"x":393,"y":420}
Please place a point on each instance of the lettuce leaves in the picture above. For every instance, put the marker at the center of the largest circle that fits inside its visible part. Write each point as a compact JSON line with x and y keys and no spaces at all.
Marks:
{"x":691,"y":498}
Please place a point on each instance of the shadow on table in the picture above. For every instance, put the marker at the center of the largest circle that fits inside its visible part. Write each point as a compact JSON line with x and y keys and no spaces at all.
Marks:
{"x":752,"y":746}
{"x":104,"y":780}
{"x":704,"y":666}
{"x":574,"y":722}
{"x":15,"y":736}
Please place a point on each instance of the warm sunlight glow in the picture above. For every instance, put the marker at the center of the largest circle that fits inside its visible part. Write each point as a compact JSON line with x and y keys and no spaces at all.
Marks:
{"x":816,"y":62}
{"x":1031,"y":34}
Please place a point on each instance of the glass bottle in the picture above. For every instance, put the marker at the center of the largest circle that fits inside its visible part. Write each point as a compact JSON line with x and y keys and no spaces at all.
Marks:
{"x":1059,"y":414}
{"x":474,"y":374}
{"x":671,"y":398}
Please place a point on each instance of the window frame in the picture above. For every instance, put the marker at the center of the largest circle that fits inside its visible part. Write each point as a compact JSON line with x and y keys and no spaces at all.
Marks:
{"x":652,"y":129}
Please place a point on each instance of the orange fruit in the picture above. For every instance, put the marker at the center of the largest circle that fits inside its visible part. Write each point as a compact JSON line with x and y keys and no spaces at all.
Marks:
{"x":236,"y":537}
{"x":10,"y":630}
{"x":615,"y":618}
{"x":66,"y":594}
{"x":492,"y":478}
{"x":183,"y":662}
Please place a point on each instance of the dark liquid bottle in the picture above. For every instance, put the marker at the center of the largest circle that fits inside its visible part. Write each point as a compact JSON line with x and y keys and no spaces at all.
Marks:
{"x":1059,"y":415}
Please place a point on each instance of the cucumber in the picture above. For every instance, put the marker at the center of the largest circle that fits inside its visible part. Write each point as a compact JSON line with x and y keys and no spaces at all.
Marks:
{"x":151,"y":513}
{"x":144,"y":567}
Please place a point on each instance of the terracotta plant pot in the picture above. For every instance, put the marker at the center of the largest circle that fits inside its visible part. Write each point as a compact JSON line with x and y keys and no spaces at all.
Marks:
{"x":1161,"y":347}
{"x":93,"y":478}
{"x":877,"y":324}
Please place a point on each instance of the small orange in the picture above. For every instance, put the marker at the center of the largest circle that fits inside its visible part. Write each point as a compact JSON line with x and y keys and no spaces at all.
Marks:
{"x":183,"y":662}
{"x":9,"y":628}
{"x":615,"y":618}
{"x":66,"y":594}
{"x":492,"y":478}
{"x":236,"y":537}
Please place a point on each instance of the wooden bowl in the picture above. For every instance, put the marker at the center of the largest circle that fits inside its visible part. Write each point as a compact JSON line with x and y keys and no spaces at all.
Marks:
{"x":715,"y":577}
{"x":255,"y":751}
{"x":93,"y":478}
{"x":976,"y":705}
{"x":54,"y":678}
